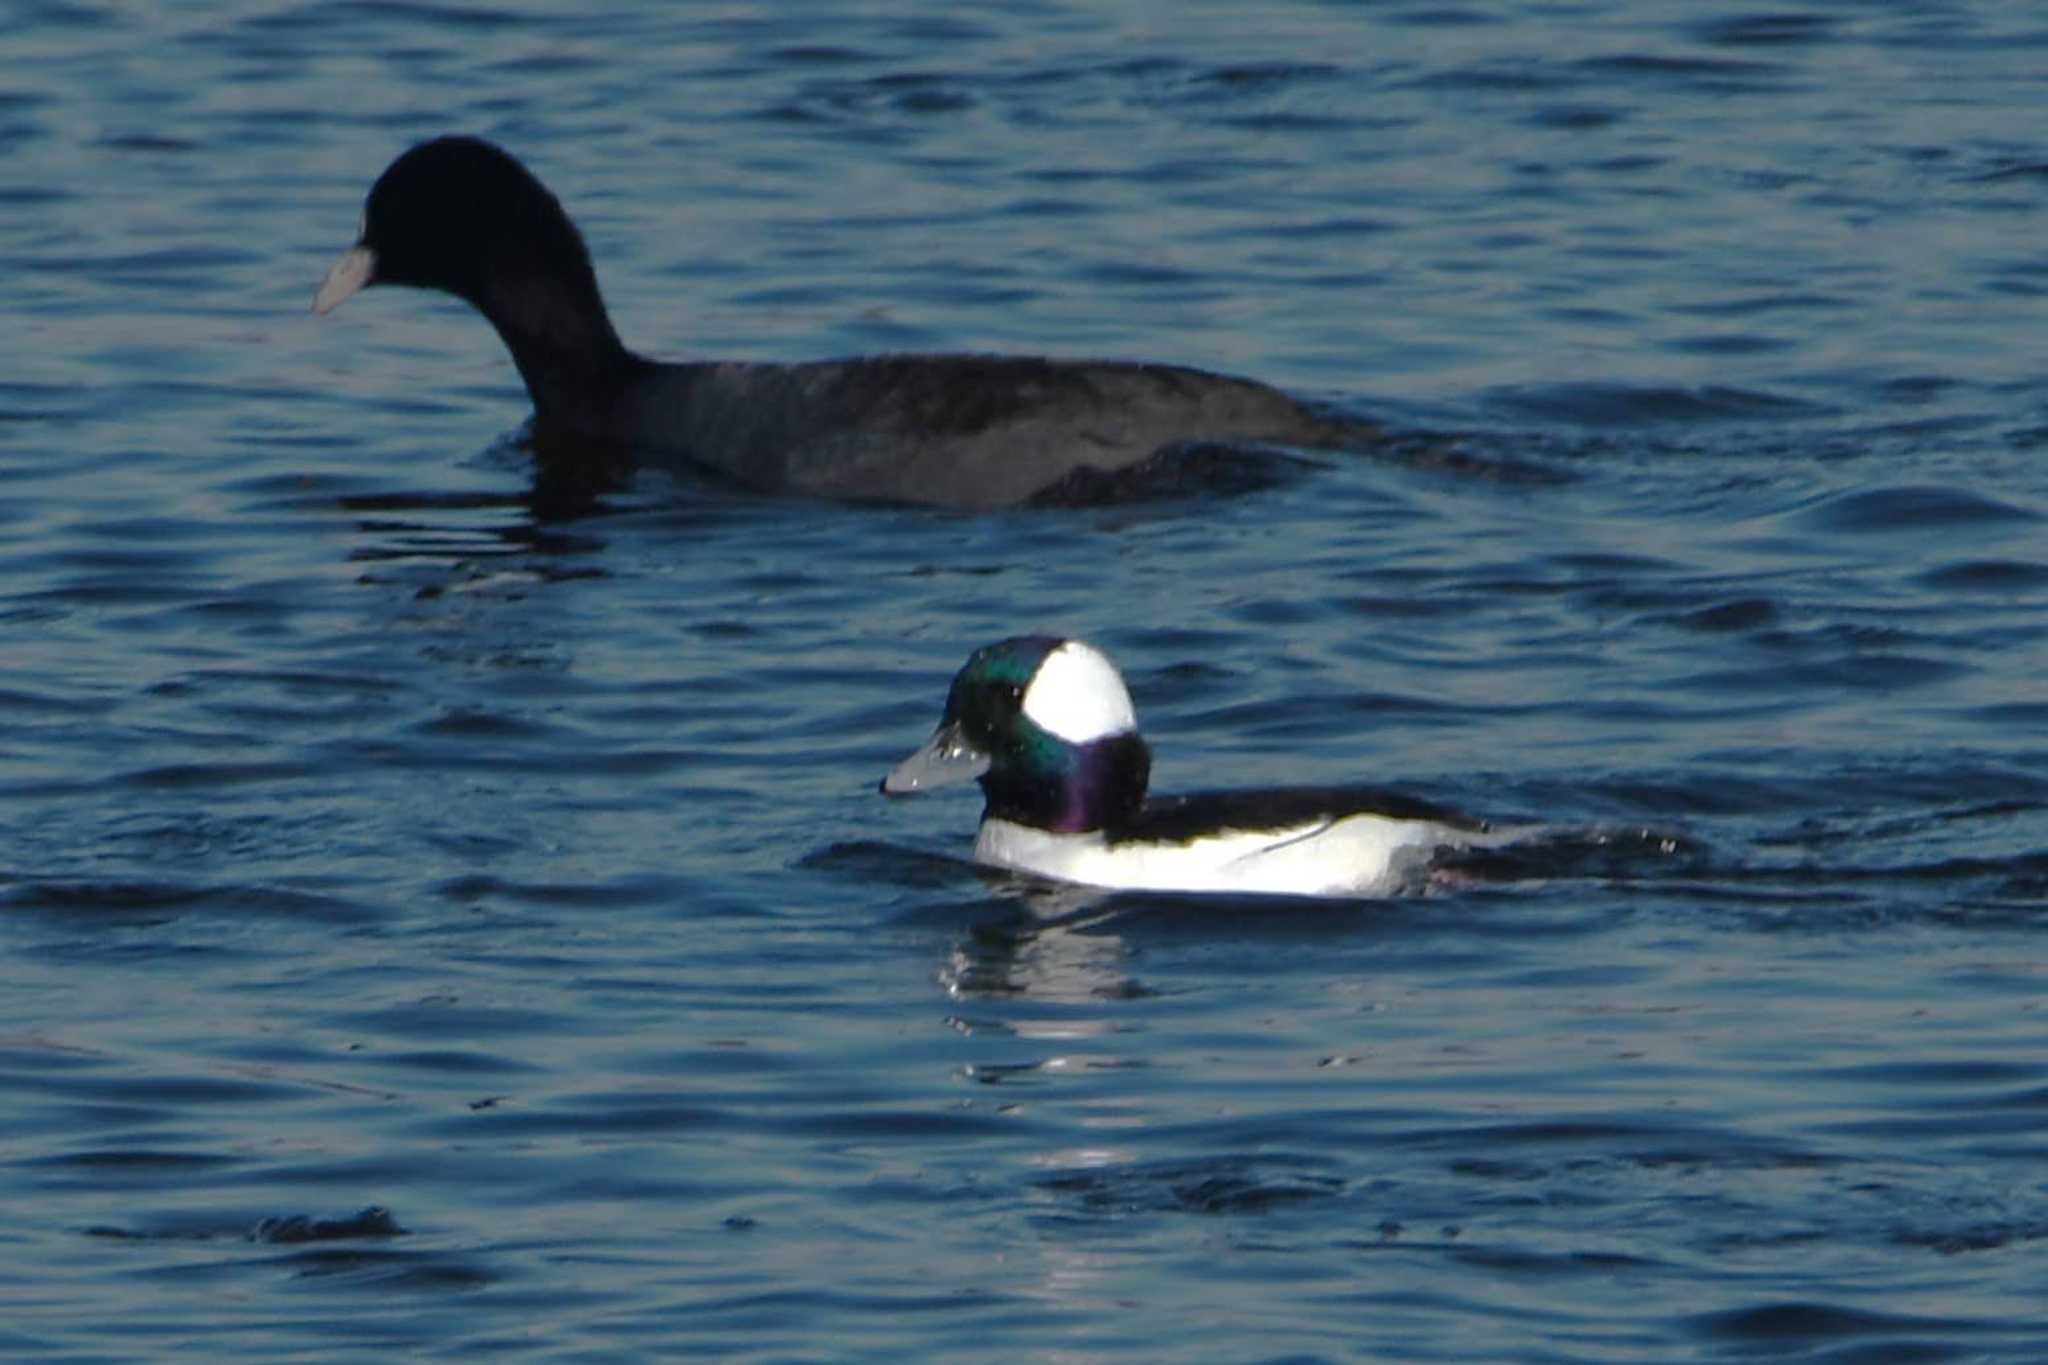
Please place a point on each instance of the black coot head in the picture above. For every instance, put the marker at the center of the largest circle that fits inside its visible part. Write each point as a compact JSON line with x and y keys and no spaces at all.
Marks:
{"x":461,"y":215}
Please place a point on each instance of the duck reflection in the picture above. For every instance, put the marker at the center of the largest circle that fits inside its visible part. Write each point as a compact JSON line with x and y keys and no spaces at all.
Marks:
{"x":1057,"y":948}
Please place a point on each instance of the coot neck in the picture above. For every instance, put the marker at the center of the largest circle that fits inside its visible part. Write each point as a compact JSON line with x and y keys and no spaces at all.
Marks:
{"x":564,"y":344}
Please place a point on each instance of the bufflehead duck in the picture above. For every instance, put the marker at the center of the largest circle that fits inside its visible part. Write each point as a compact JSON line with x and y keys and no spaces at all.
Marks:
{"x":1047,"y":726}
{"x":463,"y":216}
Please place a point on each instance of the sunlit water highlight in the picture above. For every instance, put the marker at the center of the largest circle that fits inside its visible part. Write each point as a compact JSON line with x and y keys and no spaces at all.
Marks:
{"x":434,"y":930}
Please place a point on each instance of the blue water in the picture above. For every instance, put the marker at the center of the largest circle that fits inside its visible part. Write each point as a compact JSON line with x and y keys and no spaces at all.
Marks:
{"x":428,"y":931}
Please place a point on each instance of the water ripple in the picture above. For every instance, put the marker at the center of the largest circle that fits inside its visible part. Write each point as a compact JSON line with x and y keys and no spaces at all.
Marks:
{"x":446,"y":915}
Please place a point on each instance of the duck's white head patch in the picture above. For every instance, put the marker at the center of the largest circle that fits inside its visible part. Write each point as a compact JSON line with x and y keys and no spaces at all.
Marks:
{"x":1078,"y":695}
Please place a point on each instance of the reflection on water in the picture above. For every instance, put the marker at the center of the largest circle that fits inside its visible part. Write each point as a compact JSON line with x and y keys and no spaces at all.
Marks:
{"x":1063,"y":964}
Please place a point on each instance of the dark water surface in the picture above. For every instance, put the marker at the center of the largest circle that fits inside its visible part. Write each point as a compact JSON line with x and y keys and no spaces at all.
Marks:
{"x":435,"y":932}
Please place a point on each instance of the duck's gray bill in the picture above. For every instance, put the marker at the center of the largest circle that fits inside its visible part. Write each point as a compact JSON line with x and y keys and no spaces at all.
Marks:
{"x":349,"y":274}
{"x":945,"y":759}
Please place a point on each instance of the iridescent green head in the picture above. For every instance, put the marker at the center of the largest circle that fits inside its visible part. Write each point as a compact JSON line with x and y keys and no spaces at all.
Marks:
{"x":1047,"y":726}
